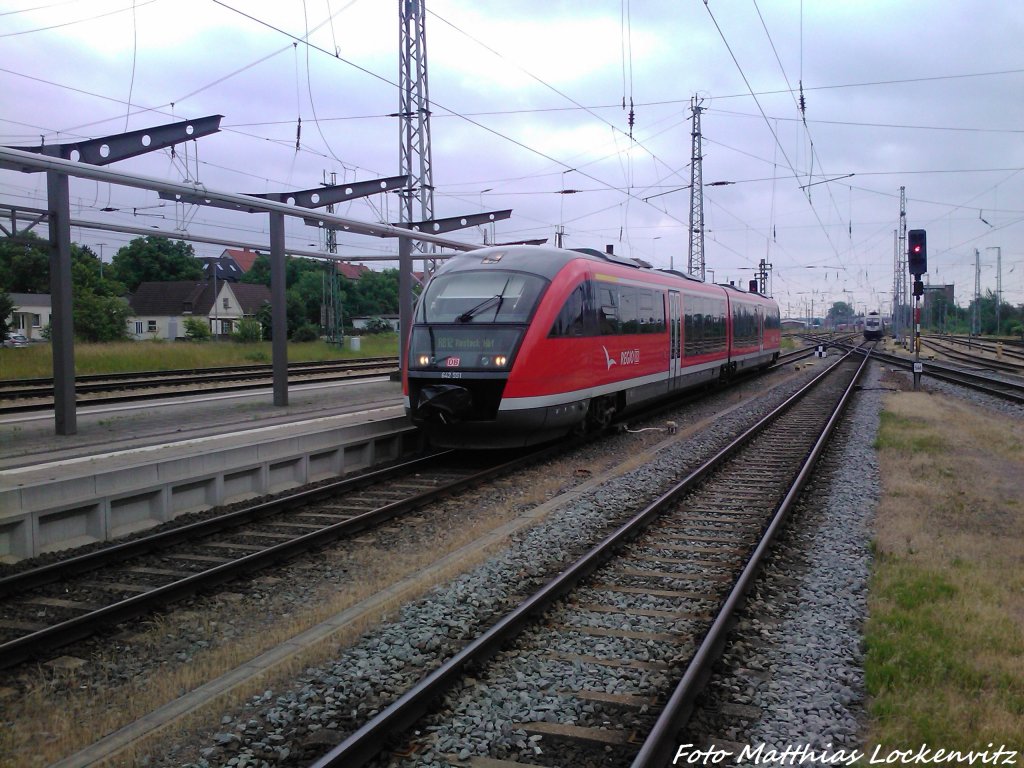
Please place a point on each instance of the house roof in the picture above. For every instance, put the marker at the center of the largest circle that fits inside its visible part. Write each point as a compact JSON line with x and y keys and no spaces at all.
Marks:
{"x":30,"y":299}
{"x":352,"y":271}
{"x":243,"y":258}
{"x":178,"y":297}
{"x":227,"y":268}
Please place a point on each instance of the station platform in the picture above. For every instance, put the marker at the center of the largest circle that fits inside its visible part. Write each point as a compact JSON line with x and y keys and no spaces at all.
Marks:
{"x":134,"y":466}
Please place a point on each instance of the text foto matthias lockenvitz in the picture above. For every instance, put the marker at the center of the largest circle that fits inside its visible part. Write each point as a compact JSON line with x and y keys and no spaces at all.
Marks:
{"x":805,"y":754}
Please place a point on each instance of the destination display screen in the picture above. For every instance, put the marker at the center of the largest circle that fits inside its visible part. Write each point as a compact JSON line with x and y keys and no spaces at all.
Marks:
{"x":463,"y":347}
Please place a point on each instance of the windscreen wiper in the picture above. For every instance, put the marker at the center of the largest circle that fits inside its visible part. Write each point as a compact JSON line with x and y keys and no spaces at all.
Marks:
{"x":466,"y":316}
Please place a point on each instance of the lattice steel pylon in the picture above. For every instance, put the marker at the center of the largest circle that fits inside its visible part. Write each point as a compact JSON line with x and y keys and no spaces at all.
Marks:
{"x":414,"y":114}
{"x":695,"y":265}
{"x":899,"y":288}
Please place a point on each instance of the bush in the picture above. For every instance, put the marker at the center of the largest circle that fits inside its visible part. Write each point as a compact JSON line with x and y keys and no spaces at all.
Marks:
{"x":378,"y":325}
{"x":249,"y":331}
{"x":305,"y":333}
{"x":196,"y":329}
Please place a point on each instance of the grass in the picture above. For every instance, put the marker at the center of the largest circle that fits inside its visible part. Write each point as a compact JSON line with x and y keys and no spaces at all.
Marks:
{"x":36,"y":360}
{"x":945,"y":638}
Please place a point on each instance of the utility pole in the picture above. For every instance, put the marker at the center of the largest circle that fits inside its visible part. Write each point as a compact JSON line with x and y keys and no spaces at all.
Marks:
{"x":976,"y":314}
{"x":330,"y":308}
{"x":999,"y":284}
{"x":414,"y":114}
{"x":899,"y":289}
{"x":414,"y":152}
{"x":696,"y":262}
{"x":763,"y":270}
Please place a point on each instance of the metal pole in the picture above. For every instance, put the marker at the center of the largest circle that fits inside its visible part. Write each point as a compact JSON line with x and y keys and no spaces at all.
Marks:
{"x":62,"y":319}
{"x":279,"y":315}
{"x":404,"y":299}
{"x":917,"y":343}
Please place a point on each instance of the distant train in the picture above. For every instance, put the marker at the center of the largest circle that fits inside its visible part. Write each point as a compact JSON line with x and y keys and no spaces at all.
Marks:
{"x":874,"y":328}
{"x":516,"y":345}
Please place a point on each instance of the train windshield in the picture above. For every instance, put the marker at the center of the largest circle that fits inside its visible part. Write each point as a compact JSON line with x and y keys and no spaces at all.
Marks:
{"x":484,"y":296}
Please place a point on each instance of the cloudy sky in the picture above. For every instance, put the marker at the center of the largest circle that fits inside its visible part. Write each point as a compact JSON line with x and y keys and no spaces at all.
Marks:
{"x":527,"y":113}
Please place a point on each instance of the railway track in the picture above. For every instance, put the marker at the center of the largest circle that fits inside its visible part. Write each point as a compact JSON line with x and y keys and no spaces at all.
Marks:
{"x":1012,"y":362}
{"x":55,"y":604}
{"x":1003,"y":388}
{"x":37,"y":394}
{"x":598,"y":648}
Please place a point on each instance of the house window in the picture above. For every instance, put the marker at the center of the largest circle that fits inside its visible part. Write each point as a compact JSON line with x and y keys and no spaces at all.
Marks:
{"x":138,"y":327}
{"x":227,"y":303}
{"x":151,"y":326}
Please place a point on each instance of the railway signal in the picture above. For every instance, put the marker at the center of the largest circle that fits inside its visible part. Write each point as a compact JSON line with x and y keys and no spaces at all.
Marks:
{"x":917,"y":252}
{"x":917,"y":260}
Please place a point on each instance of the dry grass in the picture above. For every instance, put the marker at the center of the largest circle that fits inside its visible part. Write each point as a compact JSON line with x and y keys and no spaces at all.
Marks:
{"x":945,"y":661}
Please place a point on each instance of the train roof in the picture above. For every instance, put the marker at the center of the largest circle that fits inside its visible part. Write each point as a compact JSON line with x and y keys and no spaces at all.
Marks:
{"x":548,"y":261}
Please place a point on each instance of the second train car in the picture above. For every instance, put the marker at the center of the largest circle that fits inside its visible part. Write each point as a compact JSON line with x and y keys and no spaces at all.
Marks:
{"x":516,"y":345}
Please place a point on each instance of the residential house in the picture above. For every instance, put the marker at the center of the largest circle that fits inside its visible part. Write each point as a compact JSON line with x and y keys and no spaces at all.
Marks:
{"x":31,"y":314}
{"x":161,"y":308}
{"x":243,"y":257}
{"x":226,"y":267}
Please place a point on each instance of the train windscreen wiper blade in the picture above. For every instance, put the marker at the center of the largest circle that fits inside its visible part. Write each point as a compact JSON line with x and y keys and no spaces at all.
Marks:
{"x":466,"y":316}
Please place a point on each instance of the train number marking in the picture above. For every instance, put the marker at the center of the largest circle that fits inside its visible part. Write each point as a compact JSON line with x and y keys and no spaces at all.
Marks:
{"x":451,"y":374}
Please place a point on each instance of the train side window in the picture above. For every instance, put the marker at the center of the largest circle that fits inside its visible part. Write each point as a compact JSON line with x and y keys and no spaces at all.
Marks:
{"x":647,"y":312}
{"x":629,"y":316}
{"x":571,"y":318}
{"x":608,"y":312}
{"x":659,"y":313}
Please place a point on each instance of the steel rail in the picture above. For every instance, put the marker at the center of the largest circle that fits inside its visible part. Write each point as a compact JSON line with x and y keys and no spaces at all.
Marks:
{"x":13,"y":407}
{"x":47,"y":574}
{"x":365,"y":743}
{"x":657,"y":750}
{"x":1006,"y":366}
{"x":223,"y":370}
{"x":1000,"y":388}
{"x":25,"y":647}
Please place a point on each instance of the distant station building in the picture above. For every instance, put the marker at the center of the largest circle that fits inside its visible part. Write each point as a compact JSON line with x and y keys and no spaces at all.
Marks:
{"x":937,"y":303}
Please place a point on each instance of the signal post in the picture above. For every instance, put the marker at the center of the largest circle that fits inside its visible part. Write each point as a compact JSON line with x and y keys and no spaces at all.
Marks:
{"x":917,"y":262}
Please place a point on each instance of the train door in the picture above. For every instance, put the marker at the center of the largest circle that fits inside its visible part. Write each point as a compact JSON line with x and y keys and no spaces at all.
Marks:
{"x":675,"y":346}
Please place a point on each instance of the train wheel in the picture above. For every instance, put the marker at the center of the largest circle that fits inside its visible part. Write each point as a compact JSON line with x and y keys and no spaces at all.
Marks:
{"x":600,"y":413}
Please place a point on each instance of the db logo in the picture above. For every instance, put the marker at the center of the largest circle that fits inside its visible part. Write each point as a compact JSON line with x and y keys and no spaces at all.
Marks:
{"x":452,"y":362}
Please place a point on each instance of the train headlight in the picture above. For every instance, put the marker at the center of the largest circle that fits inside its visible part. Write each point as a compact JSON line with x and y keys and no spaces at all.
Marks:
{"x":501,"y":361}
{"x":424,"y":360}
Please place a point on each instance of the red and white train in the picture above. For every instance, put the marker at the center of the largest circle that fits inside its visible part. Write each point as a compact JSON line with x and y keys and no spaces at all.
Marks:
{"x":515,"y":345}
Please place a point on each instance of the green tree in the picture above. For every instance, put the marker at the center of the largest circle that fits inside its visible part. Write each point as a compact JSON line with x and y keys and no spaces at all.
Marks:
{"x":25,"y":264}
{"x":152,"y":258}
{"x":840,"y":312}
{"x":6,"y":307}
{"x":99,"y":318}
